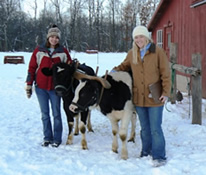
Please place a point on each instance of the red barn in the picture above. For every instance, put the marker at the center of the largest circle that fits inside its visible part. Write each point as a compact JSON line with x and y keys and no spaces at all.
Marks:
{"x":182,"y":22}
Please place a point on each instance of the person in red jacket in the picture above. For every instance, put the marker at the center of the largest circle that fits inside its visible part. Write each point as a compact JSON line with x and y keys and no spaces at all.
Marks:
{"x":46,"y":55}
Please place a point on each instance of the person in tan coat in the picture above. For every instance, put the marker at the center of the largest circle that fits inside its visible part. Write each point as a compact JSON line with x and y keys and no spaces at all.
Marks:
{"x":148,"y":64}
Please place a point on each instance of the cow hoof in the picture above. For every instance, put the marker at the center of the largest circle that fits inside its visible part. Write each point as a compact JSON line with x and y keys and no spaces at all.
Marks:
{"x":84,"y":147}
{"x":124,"y":157}
{"x":115,"y":151}
{"x":131,"y":140}
{"x":90,"y":130}
{"x":69,"y":142}
{"x":124,"y":154}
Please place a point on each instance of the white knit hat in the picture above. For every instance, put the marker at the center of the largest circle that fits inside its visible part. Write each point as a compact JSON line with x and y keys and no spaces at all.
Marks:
{"x":140,"y":30}
{"x":54,"y":31}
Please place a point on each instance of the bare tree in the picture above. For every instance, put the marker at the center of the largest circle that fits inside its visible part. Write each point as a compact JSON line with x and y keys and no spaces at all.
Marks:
{"x":129,"y":21}
{"x":91,"y":44}
{"x":7,"y":10}
{"x":57,"y":5}
{"x":104,"y":25}
{"x":74,"y":10}
{"x":147,"y":10}
{"x":112,"y":5}
{"x":95,"y":8}
{"x":91,"y":10}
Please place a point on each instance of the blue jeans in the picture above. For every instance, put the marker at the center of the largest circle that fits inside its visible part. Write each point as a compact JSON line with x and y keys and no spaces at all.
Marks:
{"x":44,"y":96}
{"x":153,"y":141}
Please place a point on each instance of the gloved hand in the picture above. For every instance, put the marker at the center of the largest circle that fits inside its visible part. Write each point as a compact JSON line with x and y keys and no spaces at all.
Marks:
{"x":112,"y":71}
{"x":163,"y":99}
{"x":28,"y":89}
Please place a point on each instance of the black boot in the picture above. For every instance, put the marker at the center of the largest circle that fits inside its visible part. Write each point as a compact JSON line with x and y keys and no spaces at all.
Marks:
{"x":45,"y":143}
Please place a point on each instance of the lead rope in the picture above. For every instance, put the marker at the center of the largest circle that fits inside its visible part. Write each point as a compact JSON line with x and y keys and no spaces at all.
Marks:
{"x":102,"y":90}
{"x":166,"y":106}
{"x":189,"y":93}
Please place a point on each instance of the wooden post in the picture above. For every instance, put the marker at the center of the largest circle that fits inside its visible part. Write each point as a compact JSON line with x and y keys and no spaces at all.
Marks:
{"x":196,"y":91}
{"x":173,"y":60}
{"x":97,"y":69}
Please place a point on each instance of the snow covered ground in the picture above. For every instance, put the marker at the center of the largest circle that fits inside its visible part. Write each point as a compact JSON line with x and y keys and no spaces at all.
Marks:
{"x":21,"y":152}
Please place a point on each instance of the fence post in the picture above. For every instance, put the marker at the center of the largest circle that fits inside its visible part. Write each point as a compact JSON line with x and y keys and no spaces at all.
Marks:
{"x":197,"y":91}
{"x":173,"y":60}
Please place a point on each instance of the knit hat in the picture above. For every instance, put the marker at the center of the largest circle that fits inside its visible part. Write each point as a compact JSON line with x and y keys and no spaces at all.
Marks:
{"x":140,"y":30}
{"x":54,"y":31}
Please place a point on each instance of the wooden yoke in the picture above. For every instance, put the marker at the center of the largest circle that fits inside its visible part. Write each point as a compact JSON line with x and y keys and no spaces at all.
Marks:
{"x":79,"y":75}
{"x":106,"y":73}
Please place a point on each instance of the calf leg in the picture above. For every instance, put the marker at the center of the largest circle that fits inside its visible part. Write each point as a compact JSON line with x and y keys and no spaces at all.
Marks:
{"x":70,"y":120}
{"x":76,"y":129}
{"x":70,"y":134}
{"x":82,"y":128}
{"x":133,"y":124}
{"x":89,"y":125}
{"x":115,"y":129}
{"x":83,"y":132}
{"x":123,"y":133}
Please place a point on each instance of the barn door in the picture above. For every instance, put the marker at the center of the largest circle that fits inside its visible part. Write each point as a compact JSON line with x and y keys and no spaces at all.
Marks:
{"x":167,"y":39}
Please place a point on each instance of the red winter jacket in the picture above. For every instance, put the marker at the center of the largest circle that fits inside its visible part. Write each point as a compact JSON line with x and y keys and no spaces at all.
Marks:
{"x":40,"y":59}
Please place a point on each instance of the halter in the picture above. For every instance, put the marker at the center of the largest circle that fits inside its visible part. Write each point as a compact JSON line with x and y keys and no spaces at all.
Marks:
{"x":96,"y":97}
{"x":71,"y":85}
{"x":82,"y":108}
{"x":66,"y":89}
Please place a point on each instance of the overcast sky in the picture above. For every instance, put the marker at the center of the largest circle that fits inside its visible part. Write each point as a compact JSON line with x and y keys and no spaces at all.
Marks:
{"x":28,"y":6}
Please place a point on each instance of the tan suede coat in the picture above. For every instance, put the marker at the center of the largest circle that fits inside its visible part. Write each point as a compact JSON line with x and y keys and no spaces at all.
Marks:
{"x":153,"y":68}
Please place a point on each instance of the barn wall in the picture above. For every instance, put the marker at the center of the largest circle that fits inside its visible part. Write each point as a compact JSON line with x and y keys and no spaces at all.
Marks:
{"x":198,"y":38}
{"x":187,"y":27}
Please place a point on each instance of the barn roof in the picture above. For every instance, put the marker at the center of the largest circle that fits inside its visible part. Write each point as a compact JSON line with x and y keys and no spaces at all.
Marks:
{"x":161,"y":8}
{"x":197,"y":3}
{"x":158,"y":13}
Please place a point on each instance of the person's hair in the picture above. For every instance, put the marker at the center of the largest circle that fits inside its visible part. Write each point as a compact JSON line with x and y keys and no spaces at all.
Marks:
{"x":147,"y":41}
{"x":135,"y":47}
{"x":48,"y":45}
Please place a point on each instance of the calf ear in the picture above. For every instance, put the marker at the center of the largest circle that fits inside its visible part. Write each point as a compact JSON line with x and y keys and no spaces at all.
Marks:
{"x":46,"y":71}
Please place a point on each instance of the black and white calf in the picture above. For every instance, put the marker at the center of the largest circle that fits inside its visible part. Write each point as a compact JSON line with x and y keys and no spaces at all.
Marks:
{"x":113,"y":99}
{"x":65,"y":84}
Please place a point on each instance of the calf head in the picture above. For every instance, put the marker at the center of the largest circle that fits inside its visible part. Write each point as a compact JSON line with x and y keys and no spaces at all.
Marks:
{"x":62,"y":77}
{"x":86,"y":95}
